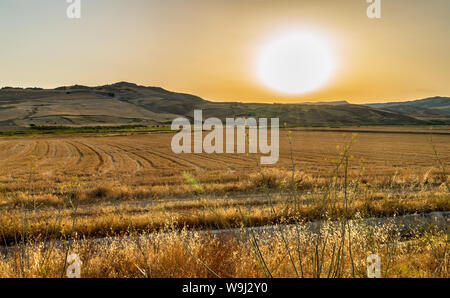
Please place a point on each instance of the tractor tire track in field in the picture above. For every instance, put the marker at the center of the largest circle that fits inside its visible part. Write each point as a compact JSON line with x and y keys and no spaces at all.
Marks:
{"x":31,"y":150}
{"x":47,"y":150}
{"x":139,"y":165}
{"x":55,"y":149}
{"x":164,"y":162}
{"x":42,"y":153}
{"x":111,"y":158}
{"x":76,"y":157}
{"x":177,"y":159}
{"x":214,"y":160}
{"x":100,"y":161}
{"x":121,"y":160}
{"x":110,"y":162}
{"x":79,"y":154}
{"x":133,"y":150}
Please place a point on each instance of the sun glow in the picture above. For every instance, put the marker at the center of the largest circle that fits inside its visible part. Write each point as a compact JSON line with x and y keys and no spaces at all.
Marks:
{"x":295,"y":62}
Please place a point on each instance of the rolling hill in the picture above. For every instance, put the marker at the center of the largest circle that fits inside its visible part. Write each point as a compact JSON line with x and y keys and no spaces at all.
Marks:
{"x":127,"y":103}
{"x":431,"y":109}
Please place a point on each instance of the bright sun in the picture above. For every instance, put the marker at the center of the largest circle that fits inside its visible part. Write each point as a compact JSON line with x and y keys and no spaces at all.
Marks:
{"x":295,"y":62}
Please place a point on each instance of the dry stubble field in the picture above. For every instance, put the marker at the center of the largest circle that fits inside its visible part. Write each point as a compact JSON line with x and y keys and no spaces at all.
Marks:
{"x":90,"y":186}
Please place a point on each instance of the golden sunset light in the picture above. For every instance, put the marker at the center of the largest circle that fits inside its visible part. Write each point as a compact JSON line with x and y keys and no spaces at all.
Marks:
{"x":224,"y":148}
{"x":208,"y":48}
{"x":295,"y":62}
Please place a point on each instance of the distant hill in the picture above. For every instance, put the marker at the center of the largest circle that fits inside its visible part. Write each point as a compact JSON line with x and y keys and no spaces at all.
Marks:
{"x":436,"y":102}
{"x":433,"y":108}
{"x":127,"y":103}
{"x":329,"y":103}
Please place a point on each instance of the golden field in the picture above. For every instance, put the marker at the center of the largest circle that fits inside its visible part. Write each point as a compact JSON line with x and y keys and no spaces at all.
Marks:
{"x":77,"y":186}
{"x":144,"y":163}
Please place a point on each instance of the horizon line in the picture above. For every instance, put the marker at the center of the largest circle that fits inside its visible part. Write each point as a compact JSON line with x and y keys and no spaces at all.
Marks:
{"x":237,"y":101}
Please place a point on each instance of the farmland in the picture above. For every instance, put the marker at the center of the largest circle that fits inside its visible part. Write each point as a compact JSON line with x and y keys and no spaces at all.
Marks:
{"x":130,"y":183}
{"x":146,"y":160}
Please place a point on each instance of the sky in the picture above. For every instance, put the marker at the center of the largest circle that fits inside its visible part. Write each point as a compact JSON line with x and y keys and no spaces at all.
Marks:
{"x":208,"y":47}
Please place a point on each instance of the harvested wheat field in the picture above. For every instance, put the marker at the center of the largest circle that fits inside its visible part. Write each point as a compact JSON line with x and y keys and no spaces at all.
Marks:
{"x":146,"y":160}
{"x":88,"y":186}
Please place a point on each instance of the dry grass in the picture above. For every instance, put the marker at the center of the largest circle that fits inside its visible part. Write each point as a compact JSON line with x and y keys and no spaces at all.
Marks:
{"x":205,"y":213}
{"x":192,"y":255}
{"x":56,"y":188}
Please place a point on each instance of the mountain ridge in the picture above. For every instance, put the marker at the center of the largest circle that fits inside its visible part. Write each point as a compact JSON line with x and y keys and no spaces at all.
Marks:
{"x":129,"y":103}
{"x":436,"y":107}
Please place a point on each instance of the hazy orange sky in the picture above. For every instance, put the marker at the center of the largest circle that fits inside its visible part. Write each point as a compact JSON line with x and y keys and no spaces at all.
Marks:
{"x":208,"y":47}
